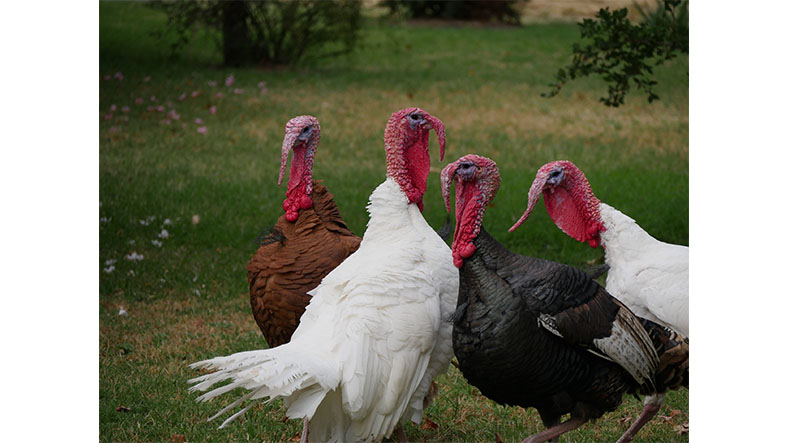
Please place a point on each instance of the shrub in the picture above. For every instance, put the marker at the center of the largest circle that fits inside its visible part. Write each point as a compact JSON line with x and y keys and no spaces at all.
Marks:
{"x":483,"y":10}
{"x":621,"y":52}
{"x":269,"y":32}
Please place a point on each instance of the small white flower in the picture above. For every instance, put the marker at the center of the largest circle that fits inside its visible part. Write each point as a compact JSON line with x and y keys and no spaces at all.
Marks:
{"x":109,"y":269}
{"x":135,"y":256}
{"x":167,"y":221}
{"x":195,"y":219}
{"x":104,"y":219}
{"x":164,"y":234}
{"x":195,"y":278}
{"x":131,"y":272}
{"x":123,"y":312}
{"x":131,"y":242}
{"x":197,"y":292}
{"x":111,"y":261}
{"x":156,"y":243}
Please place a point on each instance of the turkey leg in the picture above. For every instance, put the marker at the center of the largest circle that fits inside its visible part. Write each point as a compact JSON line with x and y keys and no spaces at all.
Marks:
{"x":555,"y":431}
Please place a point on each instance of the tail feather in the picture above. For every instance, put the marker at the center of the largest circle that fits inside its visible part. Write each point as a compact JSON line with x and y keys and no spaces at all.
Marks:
{"x":300,"y":375}
{"x":238,"y":414}
{"x":232,"y":405}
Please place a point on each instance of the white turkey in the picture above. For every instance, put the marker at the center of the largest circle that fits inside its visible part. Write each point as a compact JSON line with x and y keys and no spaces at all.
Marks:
{"x":651,"y":277}
{"x":372,"y":338}
{"x":541,"y":334}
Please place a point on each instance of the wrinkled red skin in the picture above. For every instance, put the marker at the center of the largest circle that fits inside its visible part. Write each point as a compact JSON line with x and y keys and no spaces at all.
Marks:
{"x":407,"y":152}
{"x":475,"y":189}
{"x":570,"y":202}
{"x":299,"y":185}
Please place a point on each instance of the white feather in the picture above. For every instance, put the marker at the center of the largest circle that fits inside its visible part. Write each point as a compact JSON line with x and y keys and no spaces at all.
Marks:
{"x":649,"y":276}
{"x":372,"y":338}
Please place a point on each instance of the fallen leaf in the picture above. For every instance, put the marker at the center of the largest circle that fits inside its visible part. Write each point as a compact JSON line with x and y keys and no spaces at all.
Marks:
{"x":682,"y":428}
{"x":498,"y":438}
{"x":669,"y":417}
{"x":625,"y":420}
{"x":296,"y":437}
{"x":429,"y":424}
{"x":178,"y":438}
{"x":122,"y":408}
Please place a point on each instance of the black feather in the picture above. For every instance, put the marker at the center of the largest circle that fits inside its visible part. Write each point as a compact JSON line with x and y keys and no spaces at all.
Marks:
{"x":596,"y":271}
{"x":445,"y":231}
{"x":269,"y":236}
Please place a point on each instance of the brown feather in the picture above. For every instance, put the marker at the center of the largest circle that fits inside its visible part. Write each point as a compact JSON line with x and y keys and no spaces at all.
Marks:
{"x":285,"y":268}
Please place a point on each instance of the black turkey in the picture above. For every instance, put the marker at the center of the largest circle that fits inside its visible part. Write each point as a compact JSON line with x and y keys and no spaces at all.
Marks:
{"x":535,"y":333}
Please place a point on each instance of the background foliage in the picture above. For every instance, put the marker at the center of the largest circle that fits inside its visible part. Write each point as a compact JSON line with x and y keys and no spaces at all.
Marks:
{"x":622,"y":53}
{"x":504,"y":11}
{"x":269,"y":31}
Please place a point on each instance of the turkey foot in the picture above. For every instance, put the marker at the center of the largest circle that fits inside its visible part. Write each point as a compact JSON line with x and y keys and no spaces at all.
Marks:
{"x":649,"y":411}
{"x":555,"y":431}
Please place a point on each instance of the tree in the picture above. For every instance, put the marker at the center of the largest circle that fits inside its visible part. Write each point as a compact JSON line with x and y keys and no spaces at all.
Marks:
{"x":271,"y":31}
{"x":621,"y":52}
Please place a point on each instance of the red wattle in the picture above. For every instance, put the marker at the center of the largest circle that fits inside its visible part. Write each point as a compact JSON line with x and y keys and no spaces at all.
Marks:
{"x":468,"y":250}
{"x":291,"y":216}
{"x":593,"y":243}
{"x":458,"y":262}
{"x":306,"y":202}
{"x":286,"y":204}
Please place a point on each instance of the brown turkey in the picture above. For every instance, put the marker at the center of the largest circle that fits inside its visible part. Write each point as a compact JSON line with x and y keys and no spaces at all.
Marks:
{"x":536,"y":333}
{"x":307,"y":242}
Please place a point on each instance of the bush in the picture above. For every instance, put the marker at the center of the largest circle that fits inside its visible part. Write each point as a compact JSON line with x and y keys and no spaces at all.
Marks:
{"x":269,"y":32}
{"x":482,"y":10}
{"x":622,"y":52}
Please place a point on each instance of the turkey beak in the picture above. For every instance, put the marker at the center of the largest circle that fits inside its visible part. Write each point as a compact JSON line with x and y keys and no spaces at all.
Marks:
{"x":437,"y":125}
{"x":533,"y":197}
{"x":447,"y":176}
{"x":287,"y":145}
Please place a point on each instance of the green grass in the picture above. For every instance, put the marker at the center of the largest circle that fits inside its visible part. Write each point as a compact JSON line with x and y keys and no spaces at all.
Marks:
{"x":188,"y":300}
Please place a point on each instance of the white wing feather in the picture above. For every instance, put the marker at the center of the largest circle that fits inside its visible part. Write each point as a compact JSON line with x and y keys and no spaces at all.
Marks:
{"x":649,"y":276}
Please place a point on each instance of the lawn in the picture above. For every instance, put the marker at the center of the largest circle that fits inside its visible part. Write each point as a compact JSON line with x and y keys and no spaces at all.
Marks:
{"x":188,"y":169}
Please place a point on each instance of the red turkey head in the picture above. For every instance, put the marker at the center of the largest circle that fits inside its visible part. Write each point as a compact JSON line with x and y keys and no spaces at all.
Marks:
{"x":476,"y":181}
{"x":569,"y":200}
{"x":302,"y":135}
{"x":407,"y":141}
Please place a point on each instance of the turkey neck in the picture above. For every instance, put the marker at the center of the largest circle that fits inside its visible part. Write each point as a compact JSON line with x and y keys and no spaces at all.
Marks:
{"x":326,"y":209}
{"x":391,"y":211}
{"x":478,"y":282}
{"x":623,"y":238}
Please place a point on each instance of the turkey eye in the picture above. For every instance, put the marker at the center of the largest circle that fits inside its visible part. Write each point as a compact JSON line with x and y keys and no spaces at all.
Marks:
{"x":305,"y":130}
{"x":555,"y":174}
{"x":415,"y":117}
{"x":466,"y":168}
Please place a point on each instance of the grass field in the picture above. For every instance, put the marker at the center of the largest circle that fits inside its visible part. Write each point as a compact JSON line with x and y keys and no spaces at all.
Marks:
{"x":187,"y":298}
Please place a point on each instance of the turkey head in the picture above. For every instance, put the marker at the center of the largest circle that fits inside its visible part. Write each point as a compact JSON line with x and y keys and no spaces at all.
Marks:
{"x":476,"y":181}
{"x":569,"y":200}
{"x":302,"y":135}
{"x":407,"y":140}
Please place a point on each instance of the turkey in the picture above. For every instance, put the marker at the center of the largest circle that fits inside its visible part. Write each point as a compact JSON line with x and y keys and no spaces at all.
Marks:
{"x":651,"y":277}
{"x":372,"y":338}
{"x":535,"y":333}
{"x":307,"y":242}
